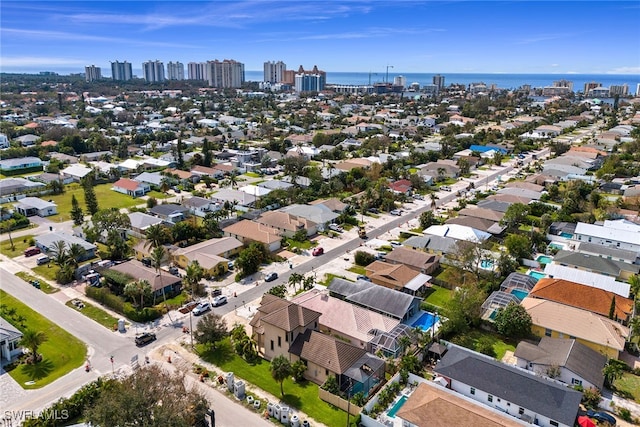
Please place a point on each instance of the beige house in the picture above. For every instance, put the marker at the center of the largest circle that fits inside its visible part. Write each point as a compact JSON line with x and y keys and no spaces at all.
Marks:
{"x":212,"y":254}
{"x":277,"y":324}
{"x":416,"y":260}
{"x":398,"y":277}
{"x":248,"y":231}
{"x":287,"y":224}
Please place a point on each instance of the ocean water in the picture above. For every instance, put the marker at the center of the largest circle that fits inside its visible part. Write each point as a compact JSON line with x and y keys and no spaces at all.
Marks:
{"x":502,"y":81}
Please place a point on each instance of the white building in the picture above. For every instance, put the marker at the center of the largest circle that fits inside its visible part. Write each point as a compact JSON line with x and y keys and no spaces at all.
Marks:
{"x":91,"y":73}
{"x":274,"y":71}
{"x":153,"y":71}
{"x":224,"y":74}
{"x":175,"y":70}
{"x":619,"y":234}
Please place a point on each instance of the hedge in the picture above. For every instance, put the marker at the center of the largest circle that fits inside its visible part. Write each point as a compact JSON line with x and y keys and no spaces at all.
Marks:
{"x":117,"y":304}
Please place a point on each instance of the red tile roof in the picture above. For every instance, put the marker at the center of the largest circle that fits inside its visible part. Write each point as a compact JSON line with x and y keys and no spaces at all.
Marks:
{"x":127,"y":184}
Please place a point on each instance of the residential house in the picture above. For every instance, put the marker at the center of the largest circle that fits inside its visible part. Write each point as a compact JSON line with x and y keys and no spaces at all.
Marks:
{"x":480,"y":224}
{"x":75,"y":172}
{"x":334,"y":204}
{"x":153,"y":179}
{"x":509,"y":389}
{"x":10,"y":186}
{"x":131,"y":187}
{"x":348,"y":322}
{"x":441,"y":169}
{"x":457,"y":232}
{"x":275,"y":184}
{"x":46,"y":243}
{"x":249,"y":231}
{"x":162,"y":283}
{"x":318,"y":214}
{"x":588,"y":298}
{"x":555,"y":320}
{"x":437,"y":245}
{"x":233,"y":196}
{"x":212,"y":255}
{"x":620,"y":234}
{"x":325,"y":356}
{"x":277,"y":324}
{"x":611,"y":253}
{"x":402,"y":186}
{"x":20,"y":165}
{"x":200,"y":206}
{"x":170,"y":212}
{"x":588,"y":278}
{"x":28,"y":140}
{"x":286,"y":224}
{"x":398,"y":277}
{"x":416,"y":260}
{"x":564,"y":360}
{"x":484,"y":213}
{"x":380,"y":299}
{"x":184,"y":176}
{"x":30,"y":206}
{"x":431,"y":405}
{"x":10,"y":338}
{"x":596,"y":264}
{"x":206,"y":171}
{"x":140,"y":222}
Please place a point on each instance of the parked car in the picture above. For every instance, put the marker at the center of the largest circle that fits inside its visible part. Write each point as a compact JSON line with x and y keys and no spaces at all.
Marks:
{"x":230,"y":265}
{"x":219,"y":300}
{"x":317,"y":251}
{"x":271,"y":277}
{"x":445,"y":188}
{"x":418,"y":196}
{"x":363,"y":277}
{"x":373,"y":210}
{"x":396,"y":212}
{"x":145,"y":338}
{"x":42,"y":260}
{"x":146,"y":262}
{"x":216,"y":292}
{"x":601,"y":417}
{"x":31,"y":251}
{"x":202,"y":308}
{"x":174,"y":271}
{"x":336,"y":227}
{"x":395,"y":244}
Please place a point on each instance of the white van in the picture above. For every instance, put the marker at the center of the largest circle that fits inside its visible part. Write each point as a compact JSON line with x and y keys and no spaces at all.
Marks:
{"x":42,"y":260}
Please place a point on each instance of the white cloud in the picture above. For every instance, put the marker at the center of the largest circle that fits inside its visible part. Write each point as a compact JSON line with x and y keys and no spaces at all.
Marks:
{"x":624,"y":70}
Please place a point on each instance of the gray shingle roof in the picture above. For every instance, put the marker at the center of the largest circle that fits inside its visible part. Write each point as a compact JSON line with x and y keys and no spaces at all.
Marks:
{"x":375,"y":297}
{"x":537,"y":394}
{"x":594,"y":263}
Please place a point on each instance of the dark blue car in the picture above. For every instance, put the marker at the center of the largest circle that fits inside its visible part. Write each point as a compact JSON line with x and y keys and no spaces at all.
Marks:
{"x":602,"y":417}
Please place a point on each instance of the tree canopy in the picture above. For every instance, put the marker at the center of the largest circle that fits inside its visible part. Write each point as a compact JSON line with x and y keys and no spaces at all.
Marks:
{"x":211,"y":329}
{"x":513,"y":321}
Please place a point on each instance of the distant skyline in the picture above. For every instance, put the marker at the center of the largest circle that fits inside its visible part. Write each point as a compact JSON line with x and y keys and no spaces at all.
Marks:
{"x":587,"y":37}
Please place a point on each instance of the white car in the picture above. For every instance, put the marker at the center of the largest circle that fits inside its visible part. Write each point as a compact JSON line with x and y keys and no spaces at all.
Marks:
{"x":336,"y":227}
{"x":219,"y":300}
{"x":202,"y":308}
{"x":396,"y":212}
{"x":396,"y":244}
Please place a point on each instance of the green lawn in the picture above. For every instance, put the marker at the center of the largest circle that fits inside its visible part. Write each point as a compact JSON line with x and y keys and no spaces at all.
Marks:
{"x":438,"y":296}
{"x":48,"y":271}
{"x":307,"y":244}
{"x":157,"y":195}
{"x":252,"y":174}
{"x":328,"y":277}
{"x":19,"y":243}
{"x":44,"y":286}
{"x":470,"y":339}
{"x":107,"y":198}
{"x":358,"y":269}
{"x":301,"y":396}
{"x":62,"y":352}
{"x":628,"y":386}
{"x":95,"y":313}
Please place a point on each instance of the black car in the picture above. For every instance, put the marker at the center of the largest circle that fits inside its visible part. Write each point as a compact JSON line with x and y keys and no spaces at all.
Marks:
{"x":216,"y":292}
{"x":601,"y":417}
{"x":145,"y":338}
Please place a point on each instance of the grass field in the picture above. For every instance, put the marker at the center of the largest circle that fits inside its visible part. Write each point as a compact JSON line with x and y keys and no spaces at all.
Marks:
{"x":470,"y":340}
{"x":48,"y":271}
{"x":44,"y":286}
{"x":302,"y":396}
{"x":20,"y":244}
{"x":437,"y":295}
{"x":628,"y":386}
{"x":95,"y":313}
{"x":62,"y":352}
{"x":107,"y":198}
{"x":358,"y":269}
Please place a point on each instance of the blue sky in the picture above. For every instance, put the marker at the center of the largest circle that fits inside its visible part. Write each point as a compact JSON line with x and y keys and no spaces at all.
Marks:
{"x":412,"y":36}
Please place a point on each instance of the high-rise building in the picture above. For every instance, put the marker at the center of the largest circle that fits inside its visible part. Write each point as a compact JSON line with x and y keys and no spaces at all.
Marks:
{"x":91,"y":73}
{"x":223,"y":74}
{"x":274,"y":71}
{"x":590,"y":85}
{"x":197,"y":71}
{"x":175,"y":71}
{"x":400,"y":81}
{"x":564,"y":83}
{"x":310,"y":80}
{"x":153,"y":71}
{"x":622,"y":90}
{"x":438,"y":80}
{"x":121,"y":70}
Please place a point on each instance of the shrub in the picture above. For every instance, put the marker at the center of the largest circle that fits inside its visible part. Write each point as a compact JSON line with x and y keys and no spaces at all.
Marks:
{"x":117,"y":304}
{"x":485,"y":346}
{"x":364,"y":258}
{"x":591,"y":397}
{"x":624,"y":413}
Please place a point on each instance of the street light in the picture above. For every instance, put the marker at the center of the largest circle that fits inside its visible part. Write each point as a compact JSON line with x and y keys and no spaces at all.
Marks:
{"x":349,"y":400}
{"x":386,"y":78}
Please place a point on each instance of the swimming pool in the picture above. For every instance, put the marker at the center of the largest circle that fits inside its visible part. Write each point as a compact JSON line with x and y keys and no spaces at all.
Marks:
{"x":543,"y":259}
{"x":519,"y":293}
{"x":493,"y":314}
{"x":396,"y":407}
{"x":486,"y":264}
{"x":556,"y":246}
{"x":425,"y":321}
{"x":566,"y":235}
{"x":537,"y":275}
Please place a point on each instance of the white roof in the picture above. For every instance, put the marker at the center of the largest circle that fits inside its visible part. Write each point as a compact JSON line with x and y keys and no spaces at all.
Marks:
{"x":611,"y":230}
{"x":157,"y":162}
{"x":255,"y":190}
{"x":588,"y":278}
{"x":130,"y":164}
{"x":35,"y":202}
{"x":458,"y":232}
{"x":78,"y":170}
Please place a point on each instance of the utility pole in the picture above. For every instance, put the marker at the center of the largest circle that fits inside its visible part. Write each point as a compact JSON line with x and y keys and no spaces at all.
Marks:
{"x":386,"y":78}
{"x":371,"y":74}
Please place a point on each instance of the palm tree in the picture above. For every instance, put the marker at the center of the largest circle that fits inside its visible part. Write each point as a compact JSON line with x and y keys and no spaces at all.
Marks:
{"x":138,"y":288}
{"x":59,"y":252}
{"x":295,"y":279}
{"x":7,"y":225}
{"x":156,"y":235}
{"x":441,"y":174}
{"x":433,"y":198}
{"x":194,"y":274}
{"x":32,"y":340}
{"x":75,"y":254}
{"x":280,"y":370}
